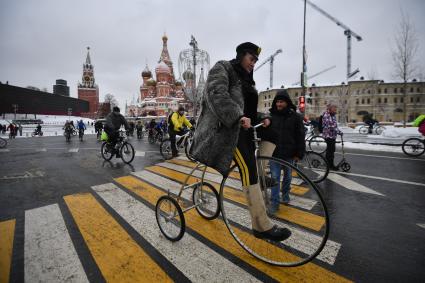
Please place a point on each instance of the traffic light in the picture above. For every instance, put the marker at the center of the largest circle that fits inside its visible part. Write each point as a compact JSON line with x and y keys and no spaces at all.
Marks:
{"x":301,"y":104}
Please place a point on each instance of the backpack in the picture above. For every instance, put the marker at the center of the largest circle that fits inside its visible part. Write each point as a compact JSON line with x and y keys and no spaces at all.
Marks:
{"x":170,"y":122}
{"x":320,"y":127}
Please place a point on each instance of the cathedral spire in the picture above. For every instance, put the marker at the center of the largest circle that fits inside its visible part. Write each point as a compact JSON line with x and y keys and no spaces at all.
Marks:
{"x":165,"y":56}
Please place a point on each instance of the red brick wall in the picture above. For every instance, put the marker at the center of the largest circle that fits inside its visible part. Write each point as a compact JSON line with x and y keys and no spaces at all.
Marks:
{"x":92,"y":96}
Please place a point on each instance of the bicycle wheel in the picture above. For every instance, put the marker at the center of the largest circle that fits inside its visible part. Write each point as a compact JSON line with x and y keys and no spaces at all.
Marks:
{"x":314,"y":166}
{"x":170,"y":218}
{"x":364,"y":130}
{"x":106,"y":152}
{"x":187,"y":149}
{"x":151,"y":139}
{"x":413,"y":147}
{"x":207,"y":200}
{"x":165,"y":149}
{"x":379,"y":130}
{"x":3,"y":143}
{"x":306,"y":216}
{"x":317,"y":144}
{"x":127,"y":152}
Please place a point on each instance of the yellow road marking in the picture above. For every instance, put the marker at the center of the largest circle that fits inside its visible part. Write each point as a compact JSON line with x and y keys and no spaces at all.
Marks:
{"x":7,"y":232}
{"x":119,"y":257}
{"x":295,"y":189}
{"x":216,"y":232}
{"x":288,"y":213}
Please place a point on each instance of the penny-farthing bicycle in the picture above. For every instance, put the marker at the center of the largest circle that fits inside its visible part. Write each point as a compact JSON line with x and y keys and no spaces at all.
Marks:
{"x":306,"y":215}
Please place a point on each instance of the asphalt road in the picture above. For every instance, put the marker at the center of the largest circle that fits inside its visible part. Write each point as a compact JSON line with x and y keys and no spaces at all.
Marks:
{"x":377,"y":214}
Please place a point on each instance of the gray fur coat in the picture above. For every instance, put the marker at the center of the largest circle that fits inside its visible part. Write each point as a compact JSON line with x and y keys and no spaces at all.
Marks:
{"x":218,"y":127}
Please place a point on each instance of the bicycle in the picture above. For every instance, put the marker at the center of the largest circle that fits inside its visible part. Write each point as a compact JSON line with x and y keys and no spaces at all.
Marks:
{"x":68,"y":133}
{"x":37,"y":133}
{"x":80,"y":134}
{"x":315,"y":141}
{"x":155,"y":136}
{"x":413,"y":147}
{"x":314,"y":166}
{"x":365,"y":129}
{"x":98,"y":134}
{"x":182,"y":142}
{"x":308,"y":236}
{"x":3,"y":142}
{"x":122,"y":147}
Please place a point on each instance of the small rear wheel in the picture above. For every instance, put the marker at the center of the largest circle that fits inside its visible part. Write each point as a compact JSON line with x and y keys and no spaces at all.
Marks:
{"x":413,"y":147}
{"x":127,"y":152}
{"x":205,"y":196}
{"x":165,"y":149}
{"x":106,"y":151}
{"x":170,"y":218}
{"x":345,"y":166}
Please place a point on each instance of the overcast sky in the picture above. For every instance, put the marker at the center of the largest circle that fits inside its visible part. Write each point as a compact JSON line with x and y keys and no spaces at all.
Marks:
{"x":44,"y":40}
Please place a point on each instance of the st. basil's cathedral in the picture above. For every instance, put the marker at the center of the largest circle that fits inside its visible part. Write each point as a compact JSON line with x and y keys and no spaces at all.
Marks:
{"x":159,"y":97}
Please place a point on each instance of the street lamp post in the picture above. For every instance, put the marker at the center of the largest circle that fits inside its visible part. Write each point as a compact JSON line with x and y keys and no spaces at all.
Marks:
{"x":15,"y":108}
{"x":194,"y":45}
{"x":304,"y":69}
{"x":69,"y":113}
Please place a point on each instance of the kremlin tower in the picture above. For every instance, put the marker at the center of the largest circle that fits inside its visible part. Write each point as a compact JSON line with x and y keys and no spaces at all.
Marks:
{"x":88,"y":89}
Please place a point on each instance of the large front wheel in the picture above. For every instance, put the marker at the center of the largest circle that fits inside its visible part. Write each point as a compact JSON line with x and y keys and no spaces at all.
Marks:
{"x":413,"y":147}
{"x":305,"y":215}
{"x":127,"y":152}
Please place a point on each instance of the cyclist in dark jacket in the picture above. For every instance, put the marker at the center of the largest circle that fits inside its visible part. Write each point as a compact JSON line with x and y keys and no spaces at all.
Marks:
{"x":289,"y":128}
{"x":114,"y":121}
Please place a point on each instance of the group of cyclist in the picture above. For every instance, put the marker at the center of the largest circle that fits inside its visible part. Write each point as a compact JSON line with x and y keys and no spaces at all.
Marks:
{"x":70,"y":129}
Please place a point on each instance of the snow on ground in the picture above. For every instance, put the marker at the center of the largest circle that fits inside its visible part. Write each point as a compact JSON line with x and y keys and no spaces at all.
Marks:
{"x":52,"y":125}
{"x":389,"y":132}
{"x":393,"y":132}
{"x":367,"y":146}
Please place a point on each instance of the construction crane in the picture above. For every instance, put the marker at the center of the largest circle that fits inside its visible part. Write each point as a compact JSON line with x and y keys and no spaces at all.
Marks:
{"x":317,"y":74}
{"x":347,"y":32}
{"x":271,"y":60}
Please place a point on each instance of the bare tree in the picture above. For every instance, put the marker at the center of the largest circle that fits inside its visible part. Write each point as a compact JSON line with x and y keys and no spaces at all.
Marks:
{"x":110,"y":98}
{"x":404,"y":55}
{"x":373,"y":74}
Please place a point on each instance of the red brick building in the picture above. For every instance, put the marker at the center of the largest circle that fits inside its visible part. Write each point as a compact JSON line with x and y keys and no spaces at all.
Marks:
{"x":88,"y":89}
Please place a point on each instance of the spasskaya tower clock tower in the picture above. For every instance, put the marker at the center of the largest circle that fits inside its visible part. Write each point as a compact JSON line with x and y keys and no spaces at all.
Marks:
{"x":88,"y":89}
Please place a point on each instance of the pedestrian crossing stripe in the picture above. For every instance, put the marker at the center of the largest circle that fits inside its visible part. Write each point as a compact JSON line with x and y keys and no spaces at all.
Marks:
{"x":288,"y":213}
{"x":295,"y":189}
{"x":7,"y":232}
{"x":49,"y":253}
{"x":118,"y":256}
{"x":216,"y":232}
